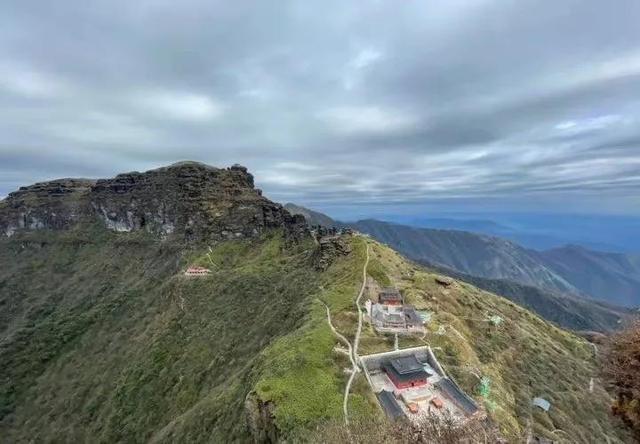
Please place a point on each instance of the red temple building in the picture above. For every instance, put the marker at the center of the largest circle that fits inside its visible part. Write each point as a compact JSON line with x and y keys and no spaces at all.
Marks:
{"x":405,"y":372}
{"x":390,"y":296}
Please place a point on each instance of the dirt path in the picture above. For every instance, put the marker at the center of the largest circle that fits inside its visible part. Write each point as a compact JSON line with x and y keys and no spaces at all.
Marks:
{"x":339,"y":335}
{"x":356,"y":341}
{"x":359,"y":308}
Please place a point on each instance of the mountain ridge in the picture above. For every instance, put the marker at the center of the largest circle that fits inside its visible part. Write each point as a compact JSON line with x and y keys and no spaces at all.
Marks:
{"x":105,"y":337}
{"x":312,"y":217}
{"x":598,"y":272}
{"x":566,"y":310}
{"x":470,"y":253}
{"x":604,"y":315}
{"x":194,"y":200}
{"x":612,"y":278}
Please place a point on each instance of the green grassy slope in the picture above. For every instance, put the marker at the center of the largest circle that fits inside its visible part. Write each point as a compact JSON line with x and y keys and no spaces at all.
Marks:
{"x":459,"y":249}
{"x":301,"y":373}
{"x":104,"y":340}
{"x":524,"y":356}
{"x":571,"y":312}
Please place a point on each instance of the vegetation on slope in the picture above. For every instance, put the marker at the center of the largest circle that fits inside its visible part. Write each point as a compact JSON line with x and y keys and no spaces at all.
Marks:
{"x":104,"y":339}
{"x":621,"y":370}
{"x":524,"y":356}
{"x":462,"y":250}
{"x":431,"y":429}
{"x":301,"y":374}
{"x":568,"y":311}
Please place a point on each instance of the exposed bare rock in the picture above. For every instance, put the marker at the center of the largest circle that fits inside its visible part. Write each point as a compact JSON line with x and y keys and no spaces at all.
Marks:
{"x":59,"y":205}
{"x":190,"y":199}
{"x":328,"y":249}
{"x":260,"y":420}
{"x":444,"y":280}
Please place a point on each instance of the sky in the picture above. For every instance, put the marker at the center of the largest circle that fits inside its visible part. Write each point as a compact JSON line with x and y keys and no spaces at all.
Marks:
{"x":345,"y":106}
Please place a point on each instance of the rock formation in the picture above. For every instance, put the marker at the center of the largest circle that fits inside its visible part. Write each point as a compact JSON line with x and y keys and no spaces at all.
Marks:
{"x":59,"y":204}
{"x":186,"y":199}
{"x":260,"y":420}
{"x":445,"y":281}
{"x":328,"y":249}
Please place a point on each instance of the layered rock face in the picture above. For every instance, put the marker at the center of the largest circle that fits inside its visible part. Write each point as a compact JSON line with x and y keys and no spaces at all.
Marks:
{"x":187,"y":199}
{"x":59,"y":204}
{"x":329,"y":249}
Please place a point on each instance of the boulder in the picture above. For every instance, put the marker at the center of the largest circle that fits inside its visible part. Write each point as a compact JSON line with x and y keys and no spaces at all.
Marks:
{"x":444,"y":281}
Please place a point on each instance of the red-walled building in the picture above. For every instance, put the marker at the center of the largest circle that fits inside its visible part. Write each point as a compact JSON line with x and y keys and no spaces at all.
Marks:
{"x":390,"y":296}
{"x":197,"y":271}
{"x":405,"y":372}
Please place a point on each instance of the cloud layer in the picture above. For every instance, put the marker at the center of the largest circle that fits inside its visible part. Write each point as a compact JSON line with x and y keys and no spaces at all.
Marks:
{"x":511,"y":103}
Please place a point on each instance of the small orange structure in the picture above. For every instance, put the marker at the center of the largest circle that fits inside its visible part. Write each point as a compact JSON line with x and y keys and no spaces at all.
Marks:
{"x":413,"y":407}
{"x":437,"y":402}
{"x":197,"y":271}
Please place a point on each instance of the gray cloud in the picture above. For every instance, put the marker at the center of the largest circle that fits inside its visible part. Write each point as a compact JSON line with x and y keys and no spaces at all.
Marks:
{"x":333,"y":103}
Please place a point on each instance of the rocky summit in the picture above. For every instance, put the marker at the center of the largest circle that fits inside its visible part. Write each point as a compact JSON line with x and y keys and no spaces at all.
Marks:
{"x":108,"y":335}
{"x":188,"y":199}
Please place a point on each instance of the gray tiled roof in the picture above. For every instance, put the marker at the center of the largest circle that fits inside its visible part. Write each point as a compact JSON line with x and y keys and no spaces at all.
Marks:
{"x":389,"y":404}
{"x":411,"y":315}
{"x":390,"y":294}
{"x":406,"y":364}
{"x":456,"y":394}
{"x":407,"y":375}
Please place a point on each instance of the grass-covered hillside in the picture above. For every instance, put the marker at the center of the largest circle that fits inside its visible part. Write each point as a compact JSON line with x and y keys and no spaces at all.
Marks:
{"x":102,"y":339}
{"x":524,"y":357}
{"x":460,"y":250}
{"x":570,"y":312}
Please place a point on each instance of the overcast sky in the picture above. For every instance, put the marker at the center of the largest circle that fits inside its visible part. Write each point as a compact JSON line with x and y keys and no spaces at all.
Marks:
{"x":451,"y":104}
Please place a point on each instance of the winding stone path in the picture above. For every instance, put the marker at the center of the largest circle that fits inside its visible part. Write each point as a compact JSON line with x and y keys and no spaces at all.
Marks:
{"x":356,"y":341}
{"x":353,"y":350}
{"x":339,"y":335}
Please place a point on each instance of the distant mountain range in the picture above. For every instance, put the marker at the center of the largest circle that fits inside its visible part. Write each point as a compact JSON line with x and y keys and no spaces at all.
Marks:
{"x":312,"y":217}
{"x":105,"y":336}
{"x":470,"y":253}
{"x":569,"y":311}
{"x":613,"y":278}
{"x":541,"y":231}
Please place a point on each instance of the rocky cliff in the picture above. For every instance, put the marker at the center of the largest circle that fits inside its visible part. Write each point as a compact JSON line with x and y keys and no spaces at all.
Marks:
{"x":59,"y":204}
{"x":187,"y":199}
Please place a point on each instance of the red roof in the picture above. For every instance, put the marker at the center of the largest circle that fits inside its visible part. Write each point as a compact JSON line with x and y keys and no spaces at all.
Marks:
{"x":197,"y":270}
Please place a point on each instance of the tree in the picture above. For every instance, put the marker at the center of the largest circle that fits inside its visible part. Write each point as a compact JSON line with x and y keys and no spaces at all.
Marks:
{"x":621,"y":371}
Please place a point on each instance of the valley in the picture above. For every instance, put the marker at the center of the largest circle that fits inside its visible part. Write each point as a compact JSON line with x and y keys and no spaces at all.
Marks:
{"x":556,"y":283}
